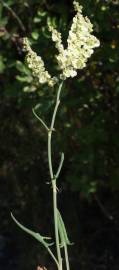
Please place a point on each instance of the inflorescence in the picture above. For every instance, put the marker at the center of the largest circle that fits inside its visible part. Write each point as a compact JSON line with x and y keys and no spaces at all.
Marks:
{"x":80,"y":46}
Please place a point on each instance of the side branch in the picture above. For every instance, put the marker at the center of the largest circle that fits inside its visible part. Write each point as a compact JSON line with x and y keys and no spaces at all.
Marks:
{"x":60,"y":165}
{"x":14,"y":15}
{"x":42,"y":122}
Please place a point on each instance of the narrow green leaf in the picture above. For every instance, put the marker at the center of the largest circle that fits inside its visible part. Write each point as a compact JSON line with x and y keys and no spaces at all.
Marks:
{"x":37,"y":236}
{"x":62,"y":231}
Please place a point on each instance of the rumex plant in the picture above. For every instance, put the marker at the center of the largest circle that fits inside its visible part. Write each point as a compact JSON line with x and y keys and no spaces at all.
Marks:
{"x":80,"y":45}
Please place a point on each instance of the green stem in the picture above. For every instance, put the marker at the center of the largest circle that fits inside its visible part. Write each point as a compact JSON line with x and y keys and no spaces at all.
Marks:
{"x":66,"y":258}
{"x":56,"y":223}
{"x":56,"y":105}
{"x":53,"y":178}
{"x":52,"y":255}
{"x":50,"y":153}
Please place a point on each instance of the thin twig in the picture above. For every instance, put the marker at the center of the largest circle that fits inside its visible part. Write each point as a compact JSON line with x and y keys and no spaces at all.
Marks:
{"x":105,"y":212}
{"x":14,"y":15}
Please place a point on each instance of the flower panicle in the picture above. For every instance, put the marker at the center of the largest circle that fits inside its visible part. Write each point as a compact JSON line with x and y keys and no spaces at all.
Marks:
{"x":36,"y":64}
{"x":80,"y":44}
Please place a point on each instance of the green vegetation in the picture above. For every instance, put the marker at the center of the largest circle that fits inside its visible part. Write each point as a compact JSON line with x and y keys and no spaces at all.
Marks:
{"x":87,"y":125}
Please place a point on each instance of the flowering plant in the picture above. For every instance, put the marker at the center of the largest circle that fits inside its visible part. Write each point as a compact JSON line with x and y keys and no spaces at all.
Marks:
{"x":80,"y":45}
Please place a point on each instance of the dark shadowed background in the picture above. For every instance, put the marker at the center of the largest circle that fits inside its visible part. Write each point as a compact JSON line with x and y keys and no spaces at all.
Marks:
{"x":87,"y":131}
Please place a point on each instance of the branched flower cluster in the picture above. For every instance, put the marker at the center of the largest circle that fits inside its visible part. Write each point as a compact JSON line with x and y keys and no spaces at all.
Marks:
{"x":80,"y":44}
{"x":36,"y":64}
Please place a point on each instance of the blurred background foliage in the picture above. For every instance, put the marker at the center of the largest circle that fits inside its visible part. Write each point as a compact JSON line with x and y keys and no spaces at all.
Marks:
{"x":87,"y":127}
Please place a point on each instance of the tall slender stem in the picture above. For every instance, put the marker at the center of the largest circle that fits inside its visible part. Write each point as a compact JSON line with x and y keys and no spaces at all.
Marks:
{"x":52,"y":176}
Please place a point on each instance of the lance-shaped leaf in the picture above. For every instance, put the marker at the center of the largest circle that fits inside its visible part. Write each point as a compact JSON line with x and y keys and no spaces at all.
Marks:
{"x":37,"y":236}
{"x":62,"y":231}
